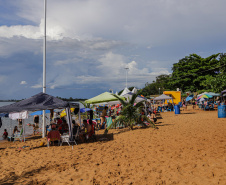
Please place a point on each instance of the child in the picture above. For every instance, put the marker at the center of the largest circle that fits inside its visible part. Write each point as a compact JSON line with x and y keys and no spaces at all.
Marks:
{"x":5,"y":134}
{"x":34,"y":129}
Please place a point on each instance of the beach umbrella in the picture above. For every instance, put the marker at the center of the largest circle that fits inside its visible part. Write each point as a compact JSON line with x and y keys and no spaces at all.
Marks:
{"x":204,"y":96}
{"x":223,"y":92}
{"x":39,"y":112}
{"x":190,"y":97}
{"x":202,"y":99}
{"x":213,"y":94}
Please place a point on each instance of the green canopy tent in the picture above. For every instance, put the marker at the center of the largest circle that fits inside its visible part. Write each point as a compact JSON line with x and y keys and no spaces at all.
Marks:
{"x":104,"y":97}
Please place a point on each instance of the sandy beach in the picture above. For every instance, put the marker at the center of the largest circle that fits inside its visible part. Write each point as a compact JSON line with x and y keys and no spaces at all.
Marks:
{"x":189,"y":148}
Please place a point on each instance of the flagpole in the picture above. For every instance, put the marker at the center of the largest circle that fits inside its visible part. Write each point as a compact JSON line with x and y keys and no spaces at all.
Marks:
{"x":126,"y":68}
{"x":44,"y":67}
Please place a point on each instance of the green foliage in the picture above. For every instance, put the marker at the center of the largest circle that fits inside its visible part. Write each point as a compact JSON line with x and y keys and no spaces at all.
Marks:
{"x":161,"y":84}
{"x":194,"y":73}
{"x":130,"y":114}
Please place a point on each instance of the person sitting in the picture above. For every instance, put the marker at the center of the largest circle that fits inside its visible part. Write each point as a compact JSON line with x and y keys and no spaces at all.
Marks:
{"x":152,"y":117}
{"x":53,"y":135}
{"x":5,"y":134}
{"x":75,"y":128}
{"x":60,"y":125}
{"x":64,"y":126}
{"x":92,"y":129}
{"x":15,"y":130}
{"x":86,"y":131}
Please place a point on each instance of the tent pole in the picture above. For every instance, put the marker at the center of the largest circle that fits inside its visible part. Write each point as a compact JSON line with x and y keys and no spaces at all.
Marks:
{"x":44,"y":67}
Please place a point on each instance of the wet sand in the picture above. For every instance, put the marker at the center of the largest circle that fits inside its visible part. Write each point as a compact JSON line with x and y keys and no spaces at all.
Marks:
{"x":189,"y":148}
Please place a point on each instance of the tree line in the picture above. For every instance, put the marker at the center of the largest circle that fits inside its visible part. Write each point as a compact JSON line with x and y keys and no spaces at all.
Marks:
{"x":192,"y":73}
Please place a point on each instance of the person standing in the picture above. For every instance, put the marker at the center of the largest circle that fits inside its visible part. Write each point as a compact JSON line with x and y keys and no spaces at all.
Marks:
{"x":102,"y":117}
{"x":36,"y":120}
{"x":20,"y":122}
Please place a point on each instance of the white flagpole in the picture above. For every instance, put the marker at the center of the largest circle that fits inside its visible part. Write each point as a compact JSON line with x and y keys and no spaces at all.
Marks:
{"x":126,"y":75}
{"x":44,"y":67}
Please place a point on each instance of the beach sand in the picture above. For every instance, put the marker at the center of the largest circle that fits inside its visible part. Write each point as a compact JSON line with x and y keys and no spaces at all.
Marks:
{"x":189,"y":148}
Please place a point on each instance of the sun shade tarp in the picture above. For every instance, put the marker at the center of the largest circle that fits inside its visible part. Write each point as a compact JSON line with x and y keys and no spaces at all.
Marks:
{"x":104,"y":97}
{"x":163,"y":97}
{"x":41,"y":101}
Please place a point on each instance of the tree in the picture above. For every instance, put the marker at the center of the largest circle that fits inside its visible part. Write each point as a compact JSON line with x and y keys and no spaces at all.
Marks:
{"x":191,"y":72}
{"x":130,"y":114}
{"x":162,"y":82}
{"x":217,"y":83}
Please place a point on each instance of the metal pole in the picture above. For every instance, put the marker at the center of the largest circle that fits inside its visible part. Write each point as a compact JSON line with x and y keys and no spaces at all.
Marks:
{"x":126,"y":75}
{"x":44,"y":67}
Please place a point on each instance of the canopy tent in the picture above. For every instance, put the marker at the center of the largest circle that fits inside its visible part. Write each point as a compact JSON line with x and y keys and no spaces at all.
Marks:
{"x":40,"y":101}
{"x":134,"y":90}
{"x":125,"y":91}
{"x":104,"y":97}
{"x":39,"y":112}
{"x":82,"y":110}
{"x":138,"y":98}
{"x":163,"y":97}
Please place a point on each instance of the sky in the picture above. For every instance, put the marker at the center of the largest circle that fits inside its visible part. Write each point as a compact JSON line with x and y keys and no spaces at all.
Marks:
{"x":91,"y":42}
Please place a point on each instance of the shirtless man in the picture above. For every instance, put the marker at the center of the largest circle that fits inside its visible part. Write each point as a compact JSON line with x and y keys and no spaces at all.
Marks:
{"x":85,"y":131}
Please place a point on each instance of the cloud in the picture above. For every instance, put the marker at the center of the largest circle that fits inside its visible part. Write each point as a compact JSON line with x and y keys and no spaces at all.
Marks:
{"x":23,"y":83}
{"x":89,"y":43}
{"x":2,"y":78}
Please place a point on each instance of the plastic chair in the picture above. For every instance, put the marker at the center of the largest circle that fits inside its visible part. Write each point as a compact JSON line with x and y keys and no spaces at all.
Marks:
{"x":18,"y":136}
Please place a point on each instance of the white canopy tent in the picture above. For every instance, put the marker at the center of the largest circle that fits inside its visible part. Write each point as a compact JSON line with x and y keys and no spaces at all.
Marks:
{"x":134,"y":90}
{"x":125,"y":91}
{"x":137,"y":100}
{"x":163,"y":97}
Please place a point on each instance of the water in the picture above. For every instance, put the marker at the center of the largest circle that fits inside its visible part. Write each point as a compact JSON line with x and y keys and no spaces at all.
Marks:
{"x":10,"y":124}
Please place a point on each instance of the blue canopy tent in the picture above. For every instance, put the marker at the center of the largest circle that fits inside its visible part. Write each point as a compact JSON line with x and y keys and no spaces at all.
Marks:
{"x":40,"y":112}
{"x":84,"y":110}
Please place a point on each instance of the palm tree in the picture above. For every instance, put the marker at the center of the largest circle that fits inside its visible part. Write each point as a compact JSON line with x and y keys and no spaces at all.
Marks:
{"x":130,"y":114}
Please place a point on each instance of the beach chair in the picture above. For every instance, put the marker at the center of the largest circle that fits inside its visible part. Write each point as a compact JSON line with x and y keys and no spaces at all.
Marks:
{"x":65,"y":139}
{"x":18,"y":136}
